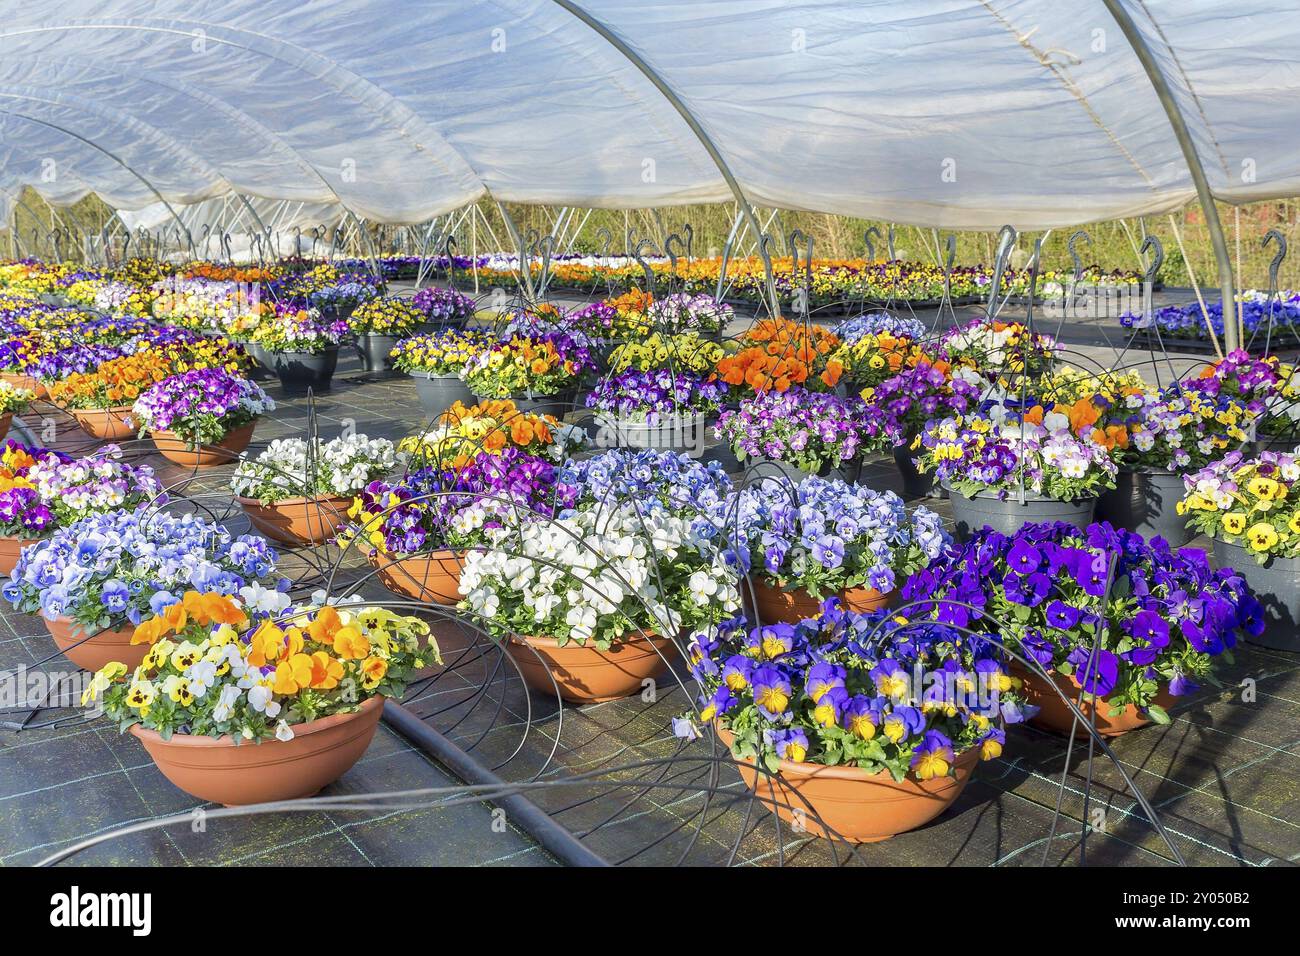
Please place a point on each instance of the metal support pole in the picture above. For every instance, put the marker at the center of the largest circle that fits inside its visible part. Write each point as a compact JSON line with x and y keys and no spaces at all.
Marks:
{"x":705,"y":140}
{"x":1231,"y":327}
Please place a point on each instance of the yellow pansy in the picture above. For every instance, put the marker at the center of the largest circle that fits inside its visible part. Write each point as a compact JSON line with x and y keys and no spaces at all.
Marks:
{"x":1262,"y":537}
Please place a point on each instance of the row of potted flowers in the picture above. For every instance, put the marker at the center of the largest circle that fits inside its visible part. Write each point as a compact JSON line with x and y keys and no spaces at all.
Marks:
{"x":801,"y":693}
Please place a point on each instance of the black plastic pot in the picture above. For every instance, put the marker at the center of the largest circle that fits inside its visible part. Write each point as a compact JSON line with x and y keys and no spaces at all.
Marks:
{"x":437,"y":393}
{"x":373,"y":349}
{"x":337,"y":313}
{"x":300,"y":371}
{"x":1145,"y":502}
{"x":915,"y":484}
{"x":559,"y":404}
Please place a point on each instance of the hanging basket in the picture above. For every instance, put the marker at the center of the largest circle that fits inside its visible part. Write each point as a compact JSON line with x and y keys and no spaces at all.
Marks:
{"x":1056,"y":716}
{"x":300,"y":371}
{"x":432,"y":577}
{"x":106,"y":424}
{"x":174,"y":448}
{"x":99,"y":649}
{"x":298,"y":522}
{"x":583,"y":673}
{"x":851,"y":804}
{"x":374,"y":350}
{"x":790,"y":606}
{"x":232,"y":773}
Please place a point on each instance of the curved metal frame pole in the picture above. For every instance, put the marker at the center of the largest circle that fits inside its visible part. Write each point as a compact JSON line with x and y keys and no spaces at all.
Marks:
{"x":1231,"y":329}
{"x":705,"y":140}
{"x":189,"y":238}
{"x":525,"y":256}
{"x":19,"y":201}
{"x":266,"y":231}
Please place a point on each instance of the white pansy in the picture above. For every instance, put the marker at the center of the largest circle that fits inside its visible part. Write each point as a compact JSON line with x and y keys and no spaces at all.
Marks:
{"x":592,"y":572}
{"x":264,"y":599}
{"x":226,"y":700}
{"x":260,"y":697}
{"x":341,"y":466}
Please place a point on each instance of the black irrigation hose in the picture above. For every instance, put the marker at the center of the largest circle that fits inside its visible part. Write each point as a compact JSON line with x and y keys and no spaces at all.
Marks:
{"x":525,"y":814}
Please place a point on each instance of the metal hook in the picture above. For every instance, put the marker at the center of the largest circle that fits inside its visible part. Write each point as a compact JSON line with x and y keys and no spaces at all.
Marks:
{"x":1007,"y":237}
{"x":546,"y":246}
{"x":764,"y":241}
{"x":448,"y":250}
{"x":1074,"y":253}
{"x":893,"y":256}
{"x":690,"y":240}
{"x":1274,"y":236}
{"x":796,"y":236}
{"x":645,"y":266}
{"x":1034,"y":265}
{"x":629,"y":242}
{"x":668,"y":250}
{"x":951,"y":258}
{"x":871,"y":246}
{"x":607,"y":239}
{"x":792,"y":240}
{"x":1157,"y":258}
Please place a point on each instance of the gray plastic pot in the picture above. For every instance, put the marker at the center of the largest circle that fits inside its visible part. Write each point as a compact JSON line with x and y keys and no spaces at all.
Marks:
{"x":1010,"y":515}
{"x":1277,"y":586}
{"x":373,"y":349}
{"x":769,"y":468}
{"x":681,"y":435}
{"x":437,"y":393}
{"x":263,"y":361}
{"x":1145,"y":502}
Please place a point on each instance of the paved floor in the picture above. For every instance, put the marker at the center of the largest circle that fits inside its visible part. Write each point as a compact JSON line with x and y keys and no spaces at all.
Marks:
{"x":1224,"y":777}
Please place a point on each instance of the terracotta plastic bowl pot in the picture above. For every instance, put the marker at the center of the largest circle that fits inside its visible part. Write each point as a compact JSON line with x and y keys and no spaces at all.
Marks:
{"x":223,"y":452}
{"x":776,"y":605}
{"x":1056,"y":716}
{"x":6,"y":420}
{"x":100,"y":649}
{"x":850,"y":804}
{"x":29,"y":382}
{"x":9,"y":549}
{"x":432,"y":577}
{"x":219,"y":770}
{"x":297,"y":522}
{"x":106,"y":424}
{"x":584,"y":674}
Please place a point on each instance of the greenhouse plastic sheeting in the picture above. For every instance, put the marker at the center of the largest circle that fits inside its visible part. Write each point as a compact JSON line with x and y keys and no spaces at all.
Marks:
{"x":951,"y":114}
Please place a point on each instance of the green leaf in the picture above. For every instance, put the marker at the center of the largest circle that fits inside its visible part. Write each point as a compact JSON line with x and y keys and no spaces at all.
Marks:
{"x":1158,"y":714}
